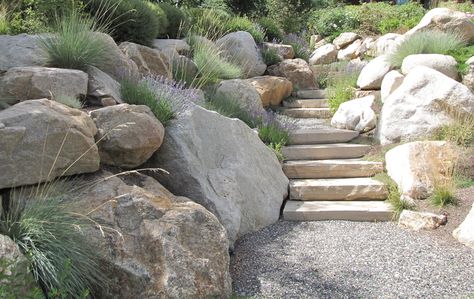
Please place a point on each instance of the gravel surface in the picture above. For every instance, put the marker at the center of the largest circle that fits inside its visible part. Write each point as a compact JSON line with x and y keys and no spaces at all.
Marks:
{"x":337,"y":259}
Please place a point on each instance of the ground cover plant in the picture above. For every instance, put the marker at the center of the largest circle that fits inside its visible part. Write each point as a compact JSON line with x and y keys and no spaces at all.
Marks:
{"x":270,"y":56}
{"x":394,"y":196}
{"x":340,"y":89}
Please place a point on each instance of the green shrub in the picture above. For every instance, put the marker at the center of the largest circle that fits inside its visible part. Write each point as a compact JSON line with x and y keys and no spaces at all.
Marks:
{"x":426,"y":42}
{"x":291,"y":15}
{"x":467,"y":6}
{"x":131,"y":20}
{"x":211,"y":65}
{"x":270,"y":56}
{"x":331,"y":22}
{"x":74,"y":44}
{"x":272,"y":30}
{"x":462,"y":55}
{"x":176,"y":20}
{"x":340,"y":89}
{"x":244,"y":24}
{"x":210,"y":23}
{"x":43,"y":224}
{"x":163,"y":23}
{"x":231,"y":108}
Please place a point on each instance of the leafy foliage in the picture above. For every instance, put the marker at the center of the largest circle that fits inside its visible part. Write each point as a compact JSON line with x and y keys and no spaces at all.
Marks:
{"x":332,"y":21}
{"x":289,"y":14}
{"x":270,"y":56}
{"x":176,"y":19}
{"x":244,"y":24}
{"x":272,"y":29}
{"x":426,"y":42}
{"x":462,"y":55}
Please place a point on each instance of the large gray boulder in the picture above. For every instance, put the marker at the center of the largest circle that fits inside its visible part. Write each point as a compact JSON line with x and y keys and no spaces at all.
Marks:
{"x":390,"y":83}
{"x":345,"y":39}
{"x":373,"y":73}
{"x":297,"y":71}
{"x":284,"y":51}
{"x":324,"y":55}
{"x":447,"y":20}
{"x":149,"y":61}
{"x":241,"y":91}
{"x":356,"y":115}
{"x":155,"y":245}
{"x":171,"y":45}
{"x":27,"y":83}
{"x":468,"y":78}
{"x":465,"y":232}
{"x":102,"y":86}
{"x":442,"y":63}
{"x":387,"y":43}
{"x":20,"y":50}
{"x":222,"y":164}
{"x":240,"y":48}
{"x":351,"y":52}
{"x":423,"y":103}
{"x":41,"y":140}
{"x":127,"y":134}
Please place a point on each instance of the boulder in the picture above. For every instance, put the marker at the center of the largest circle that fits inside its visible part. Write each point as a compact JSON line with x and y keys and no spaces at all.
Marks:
{"x":297,"y":71}
{"x":184,"y":67}
{"x":447,"y":20}
{"x":19,"y":51}
{"x":117,"y":65}
{"x":442,"y":63}
{"x":224,"y":166}
{"x":41,"y":140}
{"x":272,"y":90}
{"x":284,"y":51}
{"x":468,"y":78}
{"x":418,"y":166}
{"x":149,"y":61}
{"x":373,"y":73}
{"x":102,"y":86}
{"x":349,"y":52}
{"x":390,"y":82}
{"x":367,"y":47}
{"x":345,"y":39}
{"x":243,"y":92}
{"x":365,"y":93}
{"x":155,"y":245}
{"x":387,"y":43}
{"x":320,"y":44}
{"x":171,"y":45}
{"x":356,"y":115}
{"x":240,"y":48}
{"x":34,"y":82}
{"x":421,"y":220}
{"x":127,"y":135}
{"x":465,"y":232}
{"x":423,"y":103}
{"x":324,"y":55}
{"x":314,"y":39}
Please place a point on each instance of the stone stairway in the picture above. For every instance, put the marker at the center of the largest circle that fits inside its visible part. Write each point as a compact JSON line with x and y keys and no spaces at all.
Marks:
{"x":328,"y":178}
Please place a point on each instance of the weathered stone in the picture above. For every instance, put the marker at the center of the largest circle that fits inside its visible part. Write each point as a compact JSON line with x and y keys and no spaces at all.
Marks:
{"x":284,"y":51}
{"x":391,"y":81}
{"x":324,"y":55}
{"x":272,"y":90}
{"x":345,"y":39}
{"x":185,"y":67}
{"x":468,"y":78}
{"x":240,"y":48}
{"x":241,"y":91}
{"x":26,"y":83}
{"x":314,"y":39}
{"x":171,"y":45}
{"x":127,"y":134}
{"x":156,"y":245}
{"x":421,"y":220}
{"x":365,"y":93}
{"x":423,"y":103}
{"x":387,"y":43}
{"x":19,"y":51}
{"x":224,"y":166}
{"x":320,"y":44}
{"x":442,"y":63}
{"x":349,"y":52}
{"x":102,"y":86}
{"x":367,"y":47}
{"x":465,"y":232}
{"x":447,"y":20}
{"x":355,"y":115}
{"x":297,"y":71}
{"x":41,"y":140}
{"x":149,"y":61}
{"x":418,"y":166}
{"x":372,"y":74}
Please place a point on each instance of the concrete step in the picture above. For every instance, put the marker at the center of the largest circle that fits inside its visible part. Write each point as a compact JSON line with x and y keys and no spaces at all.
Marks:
{"x":338,"y":189}
{"x":306,"y":103}
{"x":306,"y":112}
{"x":325,"y":151}
{"x":337,"y":210}
{"x":321,"y":136}
{"x":322,"y":169}
{"x":311,"y":94}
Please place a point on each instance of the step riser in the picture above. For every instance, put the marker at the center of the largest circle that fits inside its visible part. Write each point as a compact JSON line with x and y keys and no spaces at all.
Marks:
{"x":311,"y":94}
{"x":331,"y":171}
{"x":321,"y":103}
{"x":307,"y":113}
{"x":347,"y":216}
{"x":362,"y":193}
{"x":323,"y":153}
{"x":321,"y":137}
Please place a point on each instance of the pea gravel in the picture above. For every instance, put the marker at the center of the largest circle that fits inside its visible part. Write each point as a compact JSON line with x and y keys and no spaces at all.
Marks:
{"x":338,"y":259}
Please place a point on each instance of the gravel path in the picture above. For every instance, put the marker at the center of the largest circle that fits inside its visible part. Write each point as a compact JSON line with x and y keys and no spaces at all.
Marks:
{"x":337,"y":259}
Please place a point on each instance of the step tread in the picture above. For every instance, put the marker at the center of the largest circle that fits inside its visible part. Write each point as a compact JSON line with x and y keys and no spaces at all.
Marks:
{"x":327,"y":146}
{"x":321,"y":136}
{"x":306,"y":112}
{"x":336,"y":182}
{"x":337,"y":168}
{"x":331,"y":162}
{"x":311,"y":93}
{"x":338,"y":210}
{"x":306,"y":103}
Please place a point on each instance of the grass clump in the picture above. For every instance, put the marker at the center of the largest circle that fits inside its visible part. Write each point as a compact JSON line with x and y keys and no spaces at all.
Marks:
{"x":74,"y":44}
{"x":273,"y":31}
{"x":340,"y":89}
{"x":206,"y":22}
{"x":394,"y":196}
{"x":443,"y":195}
{"x":460,"y":131}
{"x":42,"y":222}
{"x":244,"y":24}
{"x":69,"y":101}
{"x":141,"y":94}
{"x":231,"y":108}
{"x":426,"y":42}
{"x":299,"y":44}
{"x":462,"y":55}
{"x":270,"y":56}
